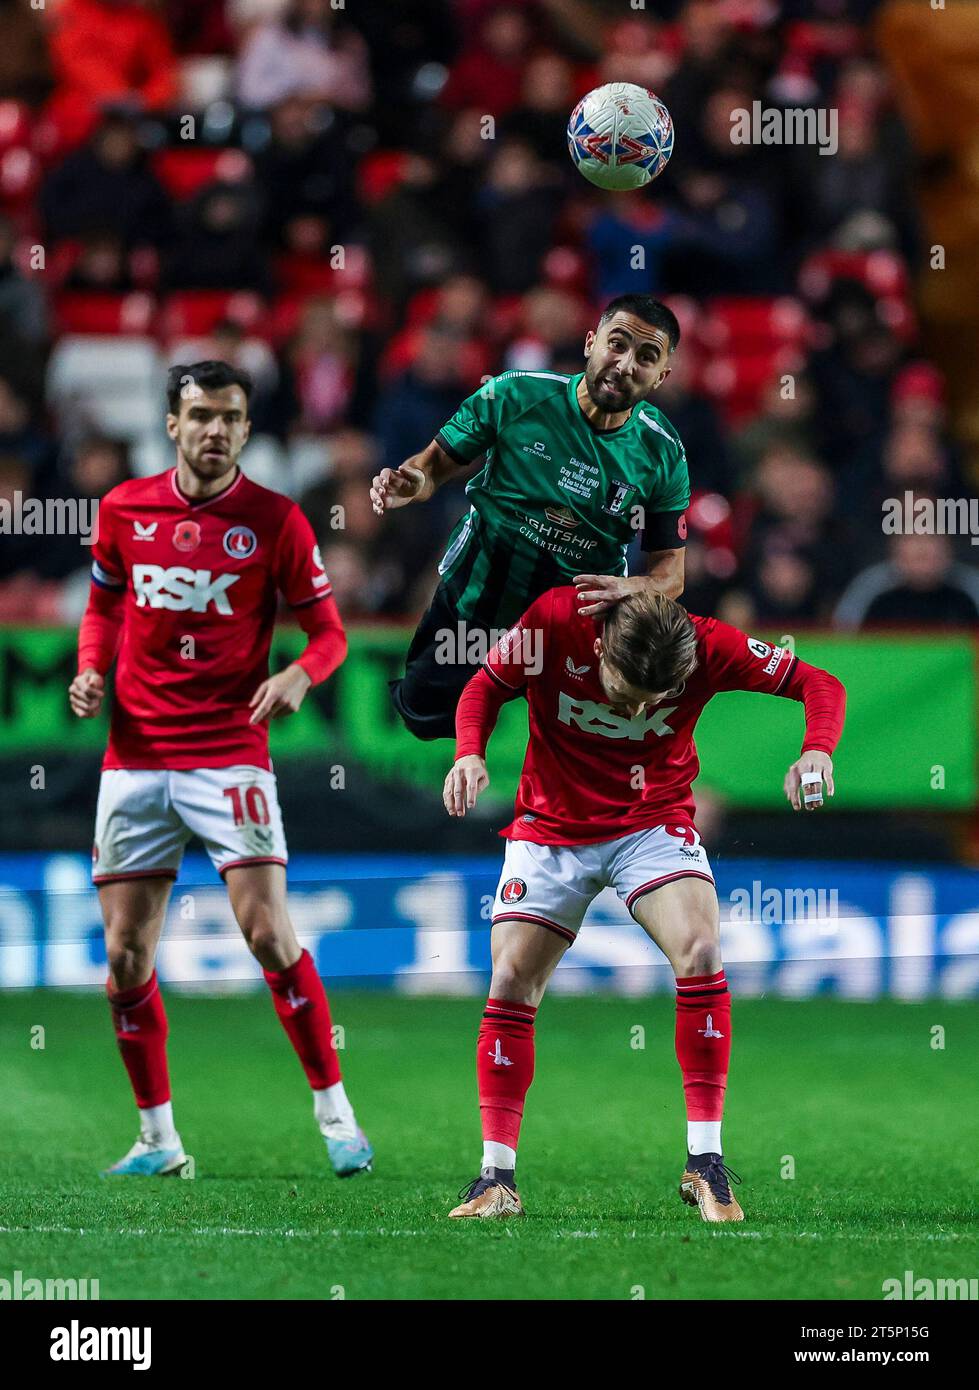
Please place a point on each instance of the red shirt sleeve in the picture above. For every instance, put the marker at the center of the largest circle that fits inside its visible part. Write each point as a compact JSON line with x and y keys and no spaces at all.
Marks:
{"x":101,"y":625}
{"x":305,"y":585}
{"x":517,"y":658}
{"x":738,"y":662}
{"x":298,"y":565}
{"x":824,"y":698}
{"x":327,"y":645}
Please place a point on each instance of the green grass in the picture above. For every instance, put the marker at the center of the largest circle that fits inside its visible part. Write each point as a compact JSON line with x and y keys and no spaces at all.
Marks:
{"x":879,"y":1125}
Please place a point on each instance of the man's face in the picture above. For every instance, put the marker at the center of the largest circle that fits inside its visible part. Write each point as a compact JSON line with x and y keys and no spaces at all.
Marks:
{"x":623,"y":698}
{"x":627,"y":359}
{"x":211,"y":429}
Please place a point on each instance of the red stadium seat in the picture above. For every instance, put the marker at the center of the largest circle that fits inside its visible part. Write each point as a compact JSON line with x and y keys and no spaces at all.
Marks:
{"x":753,"y":325}
{"x":92,"y":312}
{"x":185,"y":172}
{"x":882,"y":272}
{"x":195,"y":312}
{"x":739,"y":384}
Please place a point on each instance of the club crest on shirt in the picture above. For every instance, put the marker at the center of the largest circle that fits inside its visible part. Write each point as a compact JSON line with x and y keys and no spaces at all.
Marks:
{"x":617,"y":497}
{"x":240,"y":542}
{"x":187,"y":535}
{"x":513,"y":890}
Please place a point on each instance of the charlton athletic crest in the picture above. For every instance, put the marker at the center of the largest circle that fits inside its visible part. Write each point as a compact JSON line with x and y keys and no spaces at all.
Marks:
{"x":513,"y":890}
{"x":187,"y":535}
{"x":240,"y":542}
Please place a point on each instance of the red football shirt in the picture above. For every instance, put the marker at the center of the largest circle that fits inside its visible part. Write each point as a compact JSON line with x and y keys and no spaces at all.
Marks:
{"x":591,"y":774}
{"x":201,"y":579}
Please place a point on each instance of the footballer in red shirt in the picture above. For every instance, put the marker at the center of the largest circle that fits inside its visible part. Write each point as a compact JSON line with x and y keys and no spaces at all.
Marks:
{"x":605,"y":801}
{"x":186,"y":574}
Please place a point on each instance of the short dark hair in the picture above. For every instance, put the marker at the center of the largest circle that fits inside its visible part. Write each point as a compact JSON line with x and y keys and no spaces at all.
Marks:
{"x":650,"y":641}
{"x":209,"y":376}
{"x":650,"y":310}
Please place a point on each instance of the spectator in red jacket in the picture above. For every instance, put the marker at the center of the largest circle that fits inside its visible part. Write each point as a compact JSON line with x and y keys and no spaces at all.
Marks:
{"x":106,"y":52}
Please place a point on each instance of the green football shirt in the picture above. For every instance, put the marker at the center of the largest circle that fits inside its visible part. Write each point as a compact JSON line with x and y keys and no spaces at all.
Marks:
{"x":556,"y":497}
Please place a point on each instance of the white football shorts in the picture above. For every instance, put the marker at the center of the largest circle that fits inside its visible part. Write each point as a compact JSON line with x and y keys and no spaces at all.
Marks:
{"x":145,"y":817}
{"x":553,"y":885}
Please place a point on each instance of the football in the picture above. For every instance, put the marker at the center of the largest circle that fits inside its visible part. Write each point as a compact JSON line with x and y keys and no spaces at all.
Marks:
{"x":620,"y":136}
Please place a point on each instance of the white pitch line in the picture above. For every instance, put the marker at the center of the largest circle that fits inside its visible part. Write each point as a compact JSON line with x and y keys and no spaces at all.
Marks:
{"x":272,"y":1234}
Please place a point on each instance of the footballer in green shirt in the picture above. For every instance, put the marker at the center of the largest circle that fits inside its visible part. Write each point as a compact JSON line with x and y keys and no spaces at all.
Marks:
{"x":574,"y":467}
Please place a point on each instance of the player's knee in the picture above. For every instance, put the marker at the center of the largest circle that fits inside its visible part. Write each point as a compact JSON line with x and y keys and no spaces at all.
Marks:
{"x":130,"y":963}
{"x":269,"y":937}
{"x":516,"y":980}
{"x":699,"y":953}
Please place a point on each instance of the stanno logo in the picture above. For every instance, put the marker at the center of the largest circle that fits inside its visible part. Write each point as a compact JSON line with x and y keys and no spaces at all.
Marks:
{"x":498,"y":1058}
{"x":144,"y":533}
{"x":180,"y":589}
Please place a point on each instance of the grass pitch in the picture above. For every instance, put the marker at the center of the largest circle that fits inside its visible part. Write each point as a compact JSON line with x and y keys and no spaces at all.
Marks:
{"x":876,"y":1125}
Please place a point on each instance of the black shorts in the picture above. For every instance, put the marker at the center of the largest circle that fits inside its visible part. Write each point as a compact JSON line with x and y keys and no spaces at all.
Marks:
{"x":427,"y":694}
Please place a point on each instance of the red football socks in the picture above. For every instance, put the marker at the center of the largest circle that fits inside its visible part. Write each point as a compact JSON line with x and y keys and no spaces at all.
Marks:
{"x":300,"y":1001}
{"x":140,"y":1021}
{"x":703,"y":1042}
{"x":504,"y":1068}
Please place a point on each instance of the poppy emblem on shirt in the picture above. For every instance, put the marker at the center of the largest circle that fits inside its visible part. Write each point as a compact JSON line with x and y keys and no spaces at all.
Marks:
{"x":187,"y":535}
{"x":240,"y":542}
{"x":513,"y":890}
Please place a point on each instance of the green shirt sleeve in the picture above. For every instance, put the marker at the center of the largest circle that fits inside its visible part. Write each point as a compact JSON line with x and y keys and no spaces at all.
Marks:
{"x":473,"y":428}
{"x":674,"y":494}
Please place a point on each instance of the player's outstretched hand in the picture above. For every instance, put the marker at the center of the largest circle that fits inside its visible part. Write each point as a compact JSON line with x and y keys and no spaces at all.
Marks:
{"x":396,"y":487}
{"x":804,"y":781}
{"x":86,"y":693}
{"x":463,"y":783}
{"x":597,"y":593}
{"x":280,"y":694}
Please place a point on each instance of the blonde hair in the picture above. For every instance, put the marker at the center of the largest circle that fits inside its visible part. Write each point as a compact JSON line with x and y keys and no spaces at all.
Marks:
{"x":650,"y":641}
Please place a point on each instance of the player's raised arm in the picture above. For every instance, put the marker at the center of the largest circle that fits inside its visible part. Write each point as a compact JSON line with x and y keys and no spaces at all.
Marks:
{"x":459,"y":442}
{"x":415,"y":481}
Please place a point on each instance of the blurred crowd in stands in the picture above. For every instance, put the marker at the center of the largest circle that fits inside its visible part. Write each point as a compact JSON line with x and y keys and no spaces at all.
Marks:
{"x":370,"y":206}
